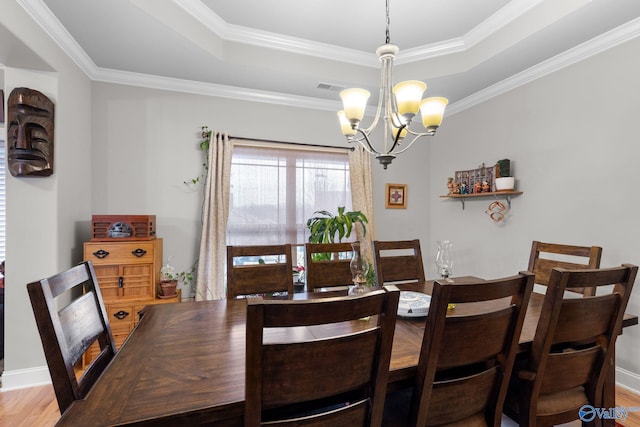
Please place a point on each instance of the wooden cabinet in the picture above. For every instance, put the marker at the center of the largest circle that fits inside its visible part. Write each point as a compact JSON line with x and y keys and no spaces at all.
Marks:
{"x":128,"y":273}
{"x":126,"y":270}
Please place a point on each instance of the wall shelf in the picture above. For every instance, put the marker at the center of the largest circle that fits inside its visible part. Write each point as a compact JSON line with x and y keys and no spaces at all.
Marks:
{"x":496,"y":194}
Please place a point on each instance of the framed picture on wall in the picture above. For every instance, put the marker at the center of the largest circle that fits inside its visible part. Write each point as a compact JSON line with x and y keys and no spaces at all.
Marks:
{"x":396,"y":196}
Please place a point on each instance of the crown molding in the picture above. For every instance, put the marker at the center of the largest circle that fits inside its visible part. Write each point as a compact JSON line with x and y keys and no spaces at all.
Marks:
{"x":299,"y":46}
{"x":504,"y":16}
{"x":269,"y":40}
{"x":212,"y":89}
{"x":590,"y":48}
{"x":43,"y":16}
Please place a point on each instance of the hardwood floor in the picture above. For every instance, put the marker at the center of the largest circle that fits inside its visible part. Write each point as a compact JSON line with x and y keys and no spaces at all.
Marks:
{"x":37,"y":406}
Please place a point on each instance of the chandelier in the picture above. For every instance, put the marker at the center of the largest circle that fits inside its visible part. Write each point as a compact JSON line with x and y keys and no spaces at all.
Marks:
{"x":399,"y":109}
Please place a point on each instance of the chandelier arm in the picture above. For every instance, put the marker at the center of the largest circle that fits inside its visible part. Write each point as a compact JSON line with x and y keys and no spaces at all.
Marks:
{"x":412,"y":132}
{"x":352,"y":139}
{"x":396,"y":140}
{"x":405,"y":148}
{"x":374,"y":123}
{"x":368,"y":145}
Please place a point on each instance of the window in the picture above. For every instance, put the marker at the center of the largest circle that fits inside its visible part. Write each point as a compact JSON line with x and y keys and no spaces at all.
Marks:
{"x":275,"y":190}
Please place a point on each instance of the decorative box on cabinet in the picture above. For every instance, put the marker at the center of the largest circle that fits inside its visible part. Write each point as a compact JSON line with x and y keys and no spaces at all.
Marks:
{"x":128,"y":273}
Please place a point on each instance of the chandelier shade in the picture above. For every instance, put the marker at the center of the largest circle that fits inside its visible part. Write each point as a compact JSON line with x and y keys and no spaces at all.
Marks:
{"x":397,"y":106}
{"x":432,"y":110}
{"x":408,"y":97}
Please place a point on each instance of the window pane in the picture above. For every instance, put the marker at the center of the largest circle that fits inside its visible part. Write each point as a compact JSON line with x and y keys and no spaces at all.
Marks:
{"x":274,"y":191}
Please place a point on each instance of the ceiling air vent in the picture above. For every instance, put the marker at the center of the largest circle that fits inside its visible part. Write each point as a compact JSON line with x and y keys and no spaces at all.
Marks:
{"x":330,"y":86}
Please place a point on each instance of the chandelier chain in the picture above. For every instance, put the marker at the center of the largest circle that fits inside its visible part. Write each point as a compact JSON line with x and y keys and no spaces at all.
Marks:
{"x":388,"y":36}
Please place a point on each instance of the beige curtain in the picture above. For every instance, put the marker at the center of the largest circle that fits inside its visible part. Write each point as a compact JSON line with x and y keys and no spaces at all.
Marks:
{"x":215,"y":211}
{"x":362,"y":195}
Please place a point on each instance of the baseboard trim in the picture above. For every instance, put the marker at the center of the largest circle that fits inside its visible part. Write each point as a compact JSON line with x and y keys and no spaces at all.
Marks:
{"x":629,"y":380}
{"x":24,"y":378}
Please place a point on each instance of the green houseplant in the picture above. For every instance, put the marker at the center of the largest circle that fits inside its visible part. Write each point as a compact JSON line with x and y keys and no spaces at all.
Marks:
{"x":323,"y":226}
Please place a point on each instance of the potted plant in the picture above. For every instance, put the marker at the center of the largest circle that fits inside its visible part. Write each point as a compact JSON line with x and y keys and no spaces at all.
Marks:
{"x":324,"y":226}
{"x":168,"y":282}
{"x":504,"y":180}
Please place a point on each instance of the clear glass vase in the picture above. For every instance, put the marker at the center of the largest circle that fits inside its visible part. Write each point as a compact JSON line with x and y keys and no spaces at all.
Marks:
{"x":444,"y":258}
{"x":359,"y":270}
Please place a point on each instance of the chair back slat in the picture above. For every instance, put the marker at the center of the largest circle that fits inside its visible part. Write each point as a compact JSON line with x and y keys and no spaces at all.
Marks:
{"x":298,"y":372}
{"x":398,"y":262}
{"x":475,"y":347}
{"x":545,"y":257}
{"x":67,"y":331}
{"x":328,"y":265}
{"x":273,"y":272}
{"x":316,"y":374}
{"x":469,"y":395}
{"x":569,"y":369}
{"x":88,"y":325}
{"x":581,"y":320}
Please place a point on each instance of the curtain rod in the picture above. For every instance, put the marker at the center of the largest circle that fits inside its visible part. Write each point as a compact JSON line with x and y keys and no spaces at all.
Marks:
{"x":302,"y":144}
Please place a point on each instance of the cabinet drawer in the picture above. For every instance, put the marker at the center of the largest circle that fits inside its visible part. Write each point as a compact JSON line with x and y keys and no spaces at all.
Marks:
{"x":125,"y":281}
{"x":121,"y":317}
{"x":119,"y":253}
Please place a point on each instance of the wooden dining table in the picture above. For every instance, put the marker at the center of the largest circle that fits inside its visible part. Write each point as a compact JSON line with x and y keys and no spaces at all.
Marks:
{"x":184,"y":364}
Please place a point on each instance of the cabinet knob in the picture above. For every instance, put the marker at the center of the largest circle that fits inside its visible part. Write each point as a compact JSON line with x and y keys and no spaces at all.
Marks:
{"x":120,"y":314}
{"x":100,"y":254}
{"x":139,"y":252}
{"x":121,"y":282}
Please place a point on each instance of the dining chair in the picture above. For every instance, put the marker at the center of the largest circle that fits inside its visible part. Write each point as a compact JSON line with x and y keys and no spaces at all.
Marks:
{"x":71,"y":316}
{"x":398,"y":261}
{"x":324,"y":377}
{"x":328,"y":266}
{"x":572,"y":349}
{"x":259,"y":269}
{"x":466,"y":356}
{"x":547,"y":256}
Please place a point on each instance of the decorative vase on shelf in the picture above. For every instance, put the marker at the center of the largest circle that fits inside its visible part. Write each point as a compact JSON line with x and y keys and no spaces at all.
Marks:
{"x":359,"y":270}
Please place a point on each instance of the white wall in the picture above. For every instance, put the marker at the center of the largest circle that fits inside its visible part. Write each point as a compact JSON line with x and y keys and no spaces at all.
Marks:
{"x":44,"y":215}
{"x":572,"y":140}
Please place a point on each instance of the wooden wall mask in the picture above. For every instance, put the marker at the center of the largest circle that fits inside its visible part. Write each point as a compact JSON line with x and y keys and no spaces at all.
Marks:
{"x":30,"y":125}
